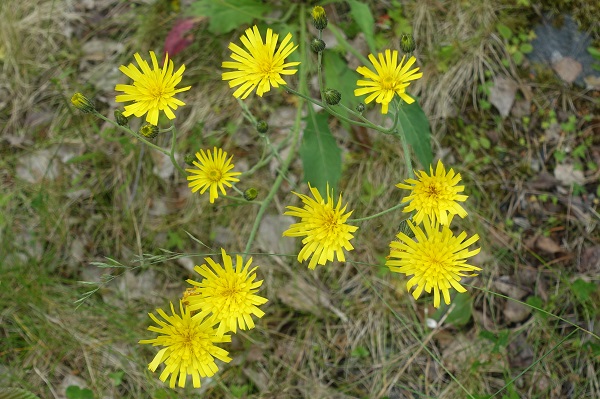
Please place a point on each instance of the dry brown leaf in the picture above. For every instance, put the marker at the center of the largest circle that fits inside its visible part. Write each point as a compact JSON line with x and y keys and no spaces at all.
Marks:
{"x":548,"y":245}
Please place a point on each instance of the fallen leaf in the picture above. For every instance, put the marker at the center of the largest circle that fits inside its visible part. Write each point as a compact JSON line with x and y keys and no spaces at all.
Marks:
{"x":567,"y":175}
{"x":567,"y":69}
{"x":514,"y":312}
{"x":502,"y":94}
{"x":178,"y":38}
{"x":548,"y":245}
{"x":590,"y":260}
{"x":507,"y":286}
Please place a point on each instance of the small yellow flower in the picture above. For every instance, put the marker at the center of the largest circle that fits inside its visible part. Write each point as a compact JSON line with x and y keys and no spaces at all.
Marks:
{"x":226,"y":293}
{"x":324,"y":225}
{"x":188,"y":346}
{"x":260,"y":66}
{"x":435,"y":195}
{"x":213,"y":172}
{"x":153,"y":90}
{"x":437,"y":260}
{"x":388,"y":79}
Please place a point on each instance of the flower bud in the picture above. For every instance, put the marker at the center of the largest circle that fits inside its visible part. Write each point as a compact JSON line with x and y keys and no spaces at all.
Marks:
{"x":407,"y":43}
{"x":121,"y":119}
{"x":250,"y":194}
{"x":360,"y":108}
{"x":82,"y":103}
{"x":317,"y":45}
{"x":319,"y":19}
{"x":332,"y":96}
{"x":149,"y":131}
{"x":262,"y":127}
{"x":189,"y":159}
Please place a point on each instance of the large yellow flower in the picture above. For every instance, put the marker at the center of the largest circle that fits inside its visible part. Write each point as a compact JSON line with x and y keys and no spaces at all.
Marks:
{"x":153,"y":90}
{"x":188,"y":346}
{"x":324,"y":226}
{"x":437,"y":260}
{"x":213,"y":172}
{"x":388,"y":79}
{"x":260,"y":66}
{"x":434,"y":195}
{"x":226,"y":293}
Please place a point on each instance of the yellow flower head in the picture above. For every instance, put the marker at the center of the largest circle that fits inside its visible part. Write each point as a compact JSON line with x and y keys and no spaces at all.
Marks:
{"x":153,"y":90}
{"x":188,"y":346}
{"x":435,"y":195}
{"x":259,"y":66}
{"x":213,"y":172}
{"x":323,"y":224}
{"x":228,"y":293}
{"x":389,"y":78}
{"x":437,"y":260}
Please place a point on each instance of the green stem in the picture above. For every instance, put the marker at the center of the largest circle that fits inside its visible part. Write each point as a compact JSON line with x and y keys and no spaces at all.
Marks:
{"x":395,"y":207}
{"x":134,"y":134}
{"x":295,"y":137}
{"x":344,"y":43}
{"x":172,"y":152}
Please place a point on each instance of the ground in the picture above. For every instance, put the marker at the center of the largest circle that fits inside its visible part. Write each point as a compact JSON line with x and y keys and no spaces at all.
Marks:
{"x":83,"y":202}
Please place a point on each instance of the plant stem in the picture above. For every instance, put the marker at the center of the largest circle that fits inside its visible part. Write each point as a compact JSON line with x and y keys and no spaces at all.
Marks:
{"x":395,"y":207}
{"x":295,"y":137}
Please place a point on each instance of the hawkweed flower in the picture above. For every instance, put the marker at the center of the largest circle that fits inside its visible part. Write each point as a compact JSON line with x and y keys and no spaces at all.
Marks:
{"x":260,"y":65}
{"x":153,"y":90}
{"x":323,"y":224}
{"x":435,"y":195}
{"x":434,"y":257}
{"x":188,"y":346}
{"x":389,"y":78}
{"x":226,"y":293}
{"x":213,"y":172}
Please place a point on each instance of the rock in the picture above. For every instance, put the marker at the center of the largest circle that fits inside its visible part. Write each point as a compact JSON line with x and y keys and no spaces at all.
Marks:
{"x":270,"y":234}
{"x":514,"y":312}
{"x":37,"y":166}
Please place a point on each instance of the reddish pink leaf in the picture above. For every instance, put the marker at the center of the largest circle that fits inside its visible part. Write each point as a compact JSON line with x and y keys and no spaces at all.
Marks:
{"x":177,"y":40}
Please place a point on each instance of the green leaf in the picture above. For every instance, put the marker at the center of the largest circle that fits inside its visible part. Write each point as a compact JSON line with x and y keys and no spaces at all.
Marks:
{"x":504,"y":31}
{"x":594,"y":52}
{"x":228,"y":15}
{"x":16,"y":393}
{"x":518,"y":57}
{"x":415,"y":126}
{"x":116,"y":377}
{"x":526,"y":48}
{"x":338,"y":76}
{"x":320,"y":154}
{"x":361,"y":13}
{"x":583,"y":290}
{"x":461,"y":314}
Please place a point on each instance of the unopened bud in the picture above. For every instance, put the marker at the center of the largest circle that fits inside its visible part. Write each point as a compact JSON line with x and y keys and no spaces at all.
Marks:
{"x":317,"y":45}
{"x":82,"y":103}
{"x":360,"y":108}
{"x":189,"y":159}
{"x":332,"y":96}
{"x":121,"y":119}
{"x":319,"y":19}
{"x":262,"y":127}
{"x":250,"y":194}
{"x":149,"y":131}
{"x":407,"y":43}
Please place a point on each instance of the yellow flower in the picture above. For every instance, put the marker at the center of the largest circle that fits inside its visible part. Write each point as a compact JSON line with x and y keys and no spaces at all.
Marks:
{"x":259,"y":66}
{"x":228,"y":293}
{"x":213,"y":172}
{"x":189,"y":346}
{"x":153,"y":90}
{"x":389,"y":78}
{"x":435,"y":195}
{"x":437,"y":260}
{"x":324,"y":225}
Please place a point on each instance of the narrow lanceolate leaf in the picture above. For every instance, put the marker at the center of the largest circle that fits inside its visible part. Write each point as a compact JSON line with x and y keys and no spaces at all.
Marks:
{"x":227,"y":15}
{"x":415,"y":125}
{"x":321,"y":156}
{"x":361,"y":13}
{"x":16,"y":393}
